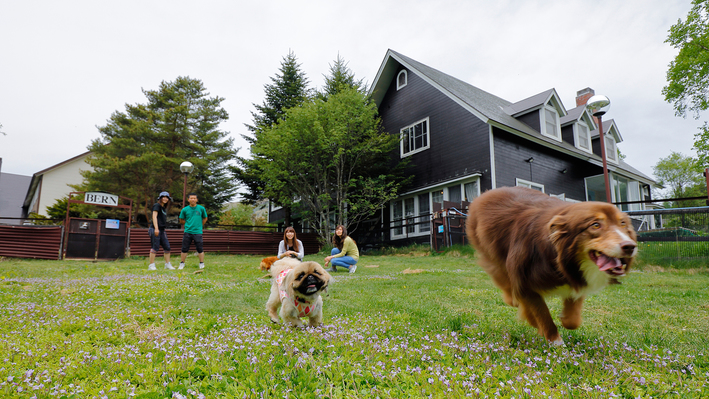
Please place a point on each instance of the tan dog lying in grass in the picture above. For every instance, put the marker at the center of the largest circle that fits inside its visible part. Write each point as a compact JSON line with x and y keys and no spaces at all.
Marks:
{"x":296,"y":287}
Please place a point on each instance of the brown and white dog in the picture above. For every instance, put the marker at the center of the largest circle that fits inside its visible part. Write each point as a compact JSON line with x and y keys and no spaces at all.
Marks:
{"x":296,"y":287}
{"x":534,"y":246}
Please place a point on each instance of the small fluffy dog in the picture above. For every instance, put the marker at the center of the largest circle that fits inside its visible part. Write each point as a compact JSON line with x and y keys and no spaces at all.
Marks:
{"x":534,"y":246}
{"x":296,"y":287}
{"x":267,"y":262}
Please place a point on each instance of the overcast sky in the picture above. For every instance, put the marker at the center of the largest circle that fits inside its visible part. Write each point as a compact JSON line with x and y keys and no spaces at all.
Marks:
{"x":66,"y":66}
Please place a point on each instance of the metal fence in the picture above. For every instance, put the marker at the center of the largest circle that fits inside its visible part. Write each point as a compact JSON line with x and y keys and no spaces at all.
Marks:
{"x":677,"y":233}
{"x":663,"y":234}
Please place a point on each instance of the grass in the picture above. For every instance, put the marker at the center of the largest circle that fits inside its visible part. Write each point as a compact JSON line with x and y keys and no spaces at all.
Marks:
{"x":407,"y":324}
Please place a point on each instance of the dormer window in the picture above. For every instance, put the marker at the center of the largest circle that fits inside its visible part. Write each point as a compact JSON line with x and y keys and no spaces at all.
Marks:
{"x":402,"y":79}
{"x":611,"y":151}
{"x":550,"y":121}
{"x":583,"y":136}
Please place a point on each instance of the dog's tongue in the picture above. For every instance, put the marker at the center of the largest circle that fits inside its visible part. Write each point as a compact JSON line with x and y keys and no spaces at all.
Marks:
{"x":606,"y":263}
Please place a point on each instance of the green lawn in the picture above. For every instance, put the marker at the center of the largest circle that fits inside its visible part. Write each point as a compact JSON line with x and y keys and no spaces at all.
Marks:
{"x":114,"y":329}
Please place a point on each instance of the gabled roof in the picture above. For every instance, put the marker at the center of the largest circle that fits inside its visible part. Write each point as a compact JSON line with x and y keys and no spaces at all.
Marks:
{"x":576,"y":115}
{"x":12,"y":187}
{"x":536,"y":102}
{"x":37,"y":178}
{"x":485,"y":106}
{"x":609,"y":126}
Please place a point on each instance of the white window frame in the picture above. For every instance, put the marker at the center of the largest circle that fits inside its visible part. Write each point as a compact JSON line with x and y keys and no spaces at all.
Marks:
{"x":577,"y":134}
{"x":611,"y":149}
{"x":549,"y":107}
{"x":428,"y":138}
{"x":529,"y":184}
{"x":406,"y":79}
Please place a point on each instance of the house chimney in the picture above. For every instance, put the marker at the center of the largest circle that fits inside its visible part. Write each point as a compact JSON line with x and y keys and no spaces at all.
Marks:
{"x":583,"y":95}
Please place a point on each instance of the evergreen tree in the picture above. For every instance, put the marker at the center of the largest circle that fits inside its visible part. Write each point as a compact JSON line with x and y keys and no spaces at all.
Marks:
{"x":340,"y":78}
{"x":289,"y":88}
{"x":140,"y":150}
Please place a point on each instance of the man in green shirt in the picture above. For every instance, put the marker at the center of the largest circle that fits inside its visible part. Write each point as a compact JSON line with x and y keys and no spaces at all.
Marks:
{"x":193,"y":217}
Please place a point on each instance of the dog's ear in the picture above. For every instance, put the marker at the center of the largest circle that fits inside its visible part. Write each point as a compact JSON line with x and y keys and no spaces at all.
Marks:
{"x":557,"y":228}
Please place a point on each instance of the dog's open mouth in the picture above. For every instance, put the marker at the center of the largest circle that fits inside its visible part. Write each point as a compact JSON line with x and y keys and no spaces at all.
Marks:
{"x":605,"y":263}
{"x":311,"y":288}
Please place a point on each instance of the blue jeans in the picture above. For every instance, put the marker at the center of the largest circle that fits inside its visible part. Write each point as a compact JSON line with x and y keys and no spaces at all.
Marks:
{"x":343,"y":261}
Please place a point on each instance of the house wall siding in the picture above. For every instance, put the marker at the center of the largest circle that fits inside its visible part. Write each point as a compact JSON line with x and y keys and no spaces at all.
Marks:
{"x":459,"y":141}
{"x":512,"y":153}
{"x":567,"y":134}
{"x":532,"y":120}
{"x":56,"y":182}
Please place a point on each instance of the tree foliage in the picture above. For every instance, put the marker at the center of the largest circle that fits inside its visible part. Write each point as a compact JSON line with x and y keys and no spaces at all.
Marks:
{"x":242,"y":214}
{"x":288,"y":88}
{"x":681,"y":176}
{"x":331,"y":159}
{"x":140,"y":150}
{"x":688,"y":74}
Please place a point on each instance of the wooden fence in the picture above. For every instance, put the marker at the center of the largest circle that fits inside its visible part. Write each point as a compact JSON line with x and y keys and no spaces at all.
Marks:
{"x":45,"y":242}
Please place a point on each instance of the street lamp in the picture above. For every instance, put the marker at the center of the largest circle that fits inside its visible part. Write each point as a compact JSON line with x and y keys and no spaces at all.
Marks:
{"x":186,"y":168}
{"x":598,"y":105}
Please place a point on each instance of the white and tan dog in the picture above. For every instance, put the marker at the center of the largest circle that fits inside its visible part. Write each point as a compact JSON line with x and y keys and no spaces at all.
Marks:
{"x":296,"y":288}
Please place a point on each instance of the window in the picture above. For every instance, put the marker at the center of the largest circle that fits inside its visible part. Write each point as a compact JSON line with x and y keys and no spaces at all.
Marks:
{"x":424,"y":210}
{"x":410,"y":216}
{"x":529,"y":184}
{"x":611,"y":151}
{"x":409,"y":213}
{"x":414,"y":138}
{"x":397,"y":217}
{"x":550,"y":122}
{"x":583,"y":137}
{"x":471,"y":190}
{"x":402,"y":79}
{"x":454,"y":193}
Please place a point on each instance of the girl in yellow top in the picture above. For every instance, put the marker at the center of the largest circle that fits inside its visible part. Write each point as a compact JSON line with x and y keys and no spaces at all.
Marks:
{"x":345,"y":252}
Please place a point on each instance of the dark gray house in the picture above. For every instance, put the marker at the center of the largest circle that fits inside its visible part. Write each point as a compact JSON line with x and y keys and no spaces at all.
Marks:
{"x":462,"y":141}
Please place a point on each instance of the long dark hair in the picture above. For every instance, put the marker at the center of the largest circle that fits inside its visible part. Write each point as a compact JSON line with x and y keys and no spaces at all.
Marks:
{"x":337,"y":240}
{"x":294,"y":244}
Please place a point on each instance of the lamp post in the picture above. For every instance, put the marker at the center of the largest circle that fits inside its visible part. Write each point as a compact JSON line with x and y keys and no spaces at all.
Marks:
{"x":186,"y":168}
{"x":598,"y":105}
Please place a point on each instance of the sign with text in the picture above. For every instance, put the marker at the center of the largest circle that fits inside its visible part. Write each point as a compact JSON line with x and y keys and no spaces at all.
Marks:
{"x":101,"y":199}
{"x":113,"y":224}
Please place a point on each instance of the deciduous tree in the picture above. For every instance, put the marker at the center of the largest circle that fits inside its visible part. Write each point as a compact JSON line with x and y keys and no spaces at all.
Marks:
{"x":681,"y":176}
{"x":331,"y":158}
{"x":688,"y":74}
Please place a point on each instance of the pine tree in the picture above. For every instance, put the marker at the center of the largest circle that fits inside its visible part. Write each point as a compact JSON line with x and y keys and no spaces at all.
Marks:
{"x":339,"y":79}
{"x":289,"y":88}
{"x":140,"y":150}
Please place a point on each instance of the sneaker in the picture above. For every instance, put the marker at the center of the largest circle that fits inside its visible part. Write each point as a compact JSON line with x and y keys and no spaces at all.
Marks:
{"x":201,"y":265}
{"x":353,"y":268}
{"x":168,"y":266}
{"x":152,"y":267}
{"x":330,"y":270}
{"x":182,"y":265}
